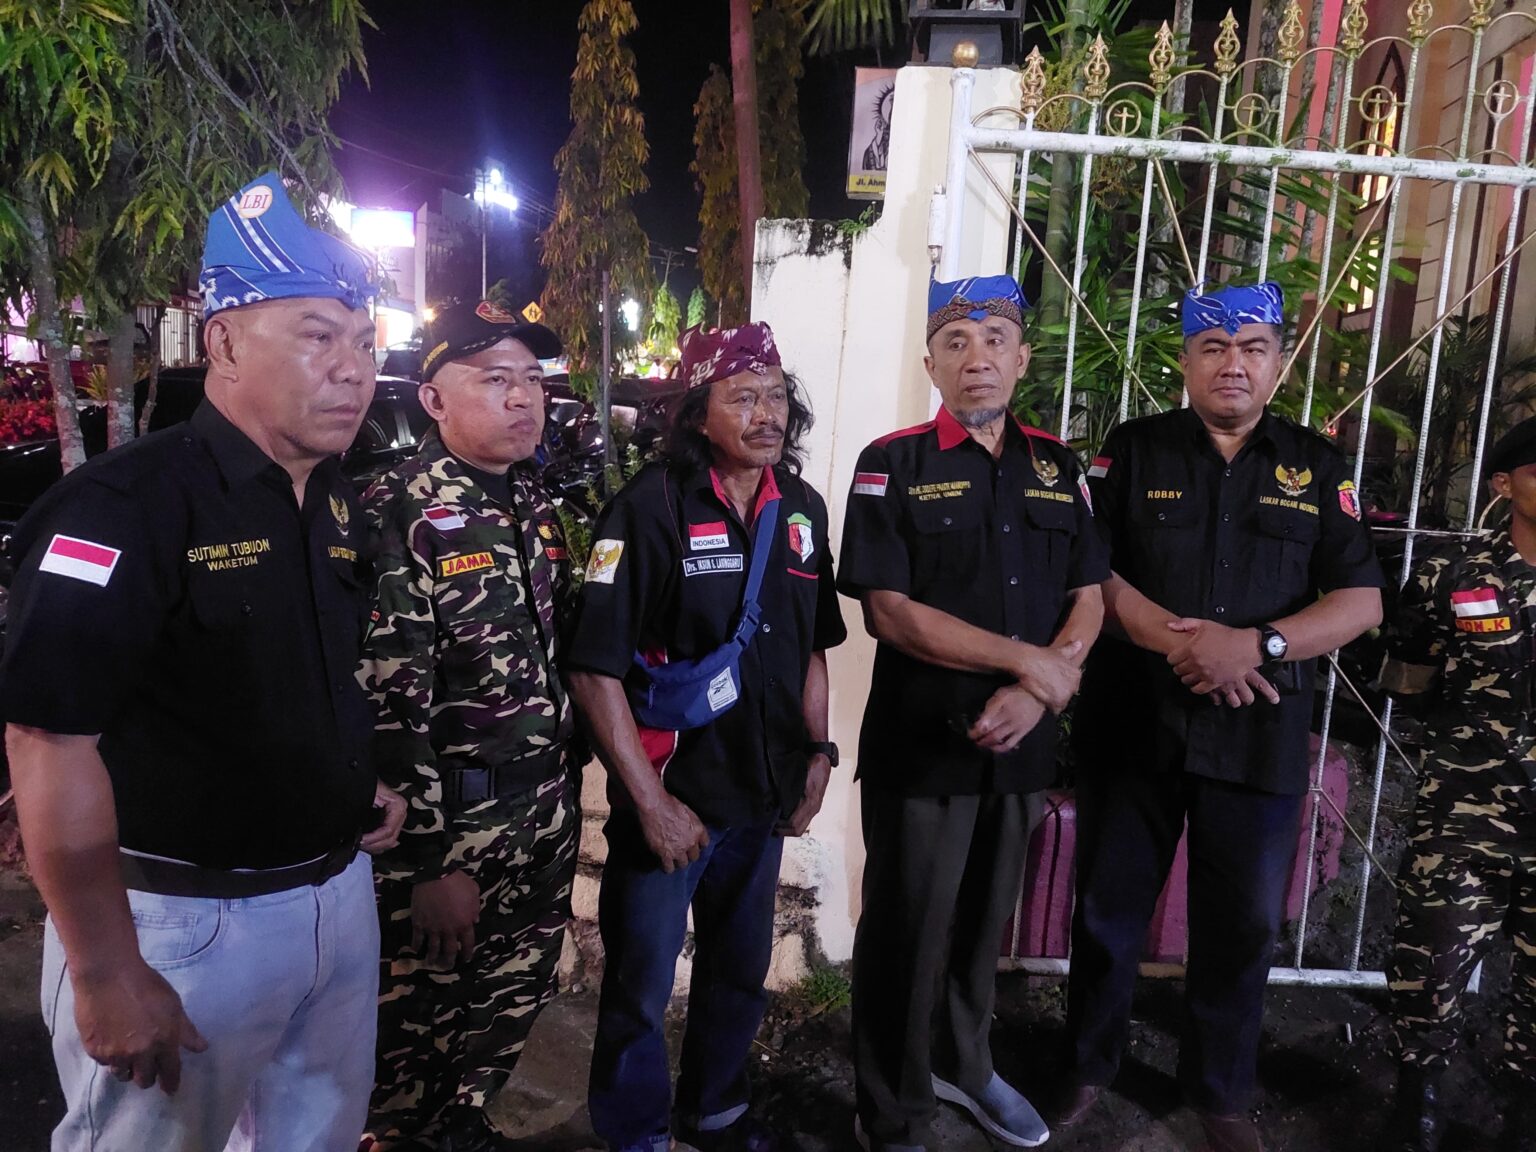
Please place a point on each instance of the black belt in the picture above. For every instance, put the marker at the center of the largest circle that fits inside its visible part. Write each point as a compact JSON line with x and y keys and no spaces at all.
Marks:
{"x":173,"y":878}
{"x":465,"y":786}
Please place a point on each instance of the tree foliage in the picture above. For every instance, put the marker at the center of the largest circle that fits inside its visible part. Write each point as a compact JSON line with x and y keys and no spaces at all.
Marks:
{"x":601,"y":169}
{"x":698,"y":308}
{"x":123,"y":123}
{"x":778,"y":28}
{"x":666,"y":322}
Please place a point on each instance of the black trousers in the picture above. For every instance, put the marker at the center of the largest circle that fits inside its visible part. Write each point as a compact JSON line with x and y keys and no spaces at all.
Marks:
{"x":1242,"y":844}
{"x":941,"y":877}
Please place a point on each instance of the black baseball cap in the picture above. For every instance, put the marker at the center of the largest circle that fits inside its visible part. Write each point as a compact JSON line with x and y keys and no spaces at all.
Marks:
{"x":465,"y":329}
{"x":1515,"y":449}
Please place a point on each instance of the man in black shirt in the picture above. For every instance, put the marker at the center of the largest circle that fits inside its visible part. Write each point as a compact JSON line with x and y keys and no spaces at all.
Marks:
{"x":700,"y":801}
{"x":969,"y":541}
{"x":1239,"y":558}
{"x":188,"y":743}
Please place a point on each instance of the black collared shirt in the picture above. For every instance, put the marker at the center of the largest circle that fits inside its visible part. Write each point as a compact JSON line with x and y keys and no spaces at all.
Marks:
{"x":996,"y":542}
{"x":173,"y":597}
{"x":1241,"y":543}
{"x":668,"y":567}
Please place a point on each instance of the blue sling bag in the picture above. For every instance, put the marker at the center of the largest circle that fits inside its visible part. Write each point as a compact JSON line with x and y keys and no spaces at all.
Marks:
{"x":692,"y":693}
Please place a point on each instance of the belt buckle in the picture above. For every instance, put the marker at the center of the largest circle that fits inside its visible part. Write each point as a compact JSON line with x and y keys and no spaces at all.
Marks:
{"x":474,"y":785}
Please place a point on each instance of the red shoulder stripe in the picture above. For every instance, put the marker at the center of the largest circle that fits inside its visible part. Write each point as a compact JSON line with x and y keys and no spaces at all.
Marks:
{"x":915,"y":430}
{"x":1043,"y":435}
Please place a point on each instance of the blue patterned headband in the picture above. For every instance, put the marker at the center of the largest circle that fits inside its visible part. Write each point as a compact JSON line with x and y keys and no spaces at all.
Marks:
{"x":1231,"y":308}
{"x":975,"y":298}
{"x":259,"y":248}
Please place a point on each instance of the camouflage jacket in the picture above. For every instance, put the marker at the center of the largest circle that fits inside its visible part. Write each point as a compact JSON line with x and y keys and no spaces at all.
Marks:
{"x":459,"y":662}
{"x":1463,"y":636}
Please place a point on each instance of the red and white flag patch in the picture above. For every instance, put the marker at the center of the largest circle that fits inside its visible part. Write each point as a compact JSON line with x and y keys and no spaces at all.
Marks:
{"x":1477,"y":602}
{"x":711,"y":535}
{"x":80,"y":560}
{"x":1100,"y":467}
{"x":443,"y":519}
{"x":870,"y":483}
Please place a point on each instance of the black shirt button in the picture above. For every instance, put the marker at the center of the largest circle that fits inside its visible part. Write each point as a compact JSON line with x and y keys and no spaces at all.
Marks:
{"x":1014,"y":636}
{"x":1007,"y":527}
{"x":1228,"y":472}
{"x":1226,"y":563}
{"x":947,"y":521}
{"x":352,"y":764}
{"x":1220,"y":611}
{"x":1226,"y":516}
{"x":245,"y":608}
{"x":1013,"y":580}
{"x":1162,"y":515}
{"x":767,"y":627}
{"x":341,"y":686}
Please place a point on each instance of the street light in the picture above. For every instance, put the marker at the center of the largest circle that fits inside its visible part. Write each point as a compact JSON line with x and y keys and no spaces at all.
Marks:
{"x":490,"y":190}
{"x":631,"y":310}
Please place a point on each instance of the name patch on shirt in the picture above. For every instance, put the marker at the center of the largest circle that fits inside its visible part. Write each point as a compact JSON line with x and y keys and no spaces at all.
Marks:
{"x":238,"y":554}
{"x":80,"y":560}
{"x":468,"y":562}
{"x":703,"y":565}
{"x":337,"y":552}
{"x":1165,"y":493}
{"x":1485,"y":624}
{"x":705,"y":536}
{"x":1298,"y":505}
{"x":1042,"y":494}
{"x":946,"y":491}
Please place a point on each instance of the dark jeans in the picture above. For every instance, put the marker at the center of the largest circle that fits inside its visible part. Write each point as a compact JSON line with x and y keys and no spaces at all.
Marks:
{"x":643,"y":917}
{"x":1242,"y":844}
{"x":941,"y":876}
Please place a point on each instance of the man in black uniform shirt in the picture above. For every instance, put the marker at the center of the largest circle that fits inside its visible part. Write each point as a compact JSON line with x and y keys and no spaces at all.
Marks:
{"x":1239,"y":558}
{"x":701,"y":801}
{"x":969,"y":541}
{"x":189,"y":745}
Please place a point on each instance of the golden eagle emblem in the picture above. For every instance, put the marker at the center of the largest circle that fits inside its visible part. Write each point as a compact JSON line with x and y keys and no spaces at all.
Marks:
{"x":341,"y":512}
{"x":1293,"y":482}
{"x":1048,"y":471}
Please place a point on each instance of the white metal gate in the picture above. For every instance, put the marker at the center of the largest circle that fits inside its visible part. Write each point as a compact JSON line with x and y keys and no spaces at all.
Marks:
{"x":1249,"y":144}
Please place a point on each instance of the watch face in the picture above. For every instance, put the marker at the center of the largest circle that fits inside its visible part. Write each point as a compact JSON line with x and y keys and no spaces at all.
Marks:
{"x":1275,"y":645}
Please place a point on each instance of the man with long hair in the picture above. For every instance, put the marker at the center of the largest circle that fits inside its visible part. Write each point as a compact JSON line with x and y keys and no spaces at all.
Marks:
{"x":697,"y":658}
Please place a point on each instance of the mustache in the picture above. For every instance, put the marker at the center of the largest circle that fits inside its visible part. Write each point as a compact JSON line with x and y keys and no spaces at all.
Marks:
{"x":764,"y":431}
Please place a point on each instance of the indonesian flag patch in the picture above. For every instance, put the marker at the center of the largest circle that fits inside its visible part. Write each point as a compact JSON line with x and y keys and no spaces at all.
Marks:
{"x":443,"y":519}
{"x":80,"y":560}
{"x":1478,"y":610}
{"x":705,"y":536}
{"x":870,"y":483}
{"x":1100,"y":467}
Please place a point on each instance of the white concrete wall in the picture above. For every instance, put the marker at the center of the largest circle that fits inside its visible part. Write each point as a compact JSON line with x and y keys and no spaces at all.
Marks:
{"x":849,"y":314}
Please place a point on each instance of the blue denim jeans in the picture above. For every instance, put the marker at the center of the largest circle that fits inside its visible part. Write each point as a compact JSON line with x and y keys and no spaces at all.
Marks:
{"x":643,"y":918}
{"x":283,"y":988}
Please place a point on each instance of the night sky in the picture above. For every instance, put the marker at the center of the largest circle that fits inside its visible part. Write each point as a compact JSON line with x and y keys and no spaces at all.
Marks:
{"x":457,"y":82}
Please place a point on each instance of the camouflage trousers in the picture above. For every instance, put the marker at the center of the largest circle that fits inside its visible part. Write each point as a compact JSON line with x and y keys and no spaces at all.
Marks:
{"x":453,"y":1037}
{"x":1469,"y":870}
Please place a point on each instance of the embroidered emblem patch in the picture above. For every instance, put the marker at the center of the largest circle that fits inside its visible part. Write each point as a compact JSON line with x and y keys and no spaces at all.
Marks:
{"x":1048,"y":470}
{"x":603,"y":565}
{"x":801,"y":542}
{"x":80,"y":560}
{"x":1349,"y":499}
{"x":342,"y":514}
{"x":443,"y":519}
{"x":1292,"y":481}
{"x":1100,"y":467}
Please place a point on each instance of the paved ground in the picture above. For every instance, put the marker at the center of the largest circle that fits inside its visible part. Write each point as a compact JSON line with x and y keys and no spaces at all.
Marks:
{"x":1324,"y":1092}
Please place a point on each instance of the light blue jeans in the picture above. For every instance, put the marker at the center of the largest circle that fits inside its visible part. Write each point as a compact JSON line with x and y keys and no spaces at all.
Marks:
{"x":283,"y":988}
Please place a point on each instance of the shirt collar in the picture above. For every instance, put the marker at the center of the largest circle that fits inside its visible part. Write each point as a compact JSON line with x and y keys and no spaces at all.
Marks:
{"x":767,"y":489}
{"x":233,"y":451}
{"x":951,"y":433}
{"x":1263,"y":431}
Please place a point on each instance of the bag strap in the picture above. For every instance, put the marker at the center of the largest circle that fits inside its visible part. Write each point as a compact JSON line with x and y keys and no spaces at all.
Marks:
{"x":762,"y":545}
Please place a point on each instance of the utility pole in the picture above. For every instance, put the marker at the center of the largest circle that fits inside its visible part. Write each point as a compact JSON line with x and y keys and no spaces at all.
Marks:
{"x":480,"y":179}
{"x":749,"y":164}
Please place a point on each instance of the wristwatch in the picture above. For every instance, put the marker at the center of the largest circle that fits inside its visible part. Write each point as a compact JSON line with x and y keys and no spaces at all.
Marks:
{"x":822,"y":748}
{"x":1272,"y":644}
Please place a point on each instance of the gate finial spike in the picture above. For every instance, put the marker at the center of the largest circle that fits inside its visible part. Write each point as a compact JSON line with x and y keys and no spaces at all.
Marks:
{"x":1482,"y":13}
{"x":1352,"y":28}
{"x":1291,"y":34}
{"x":1227,"y":46}
{"x":1032,"y":83}
{"x":1420,"y":12}
{"x":1096,"y":70}
{"x":1161,"y":58}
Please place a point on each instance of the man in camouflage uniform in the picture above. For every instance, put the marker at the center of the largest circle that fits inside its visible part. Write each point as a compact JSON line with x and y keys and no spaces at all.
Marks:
{"x":1464,"y":640}
{"x":472,"y":728}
